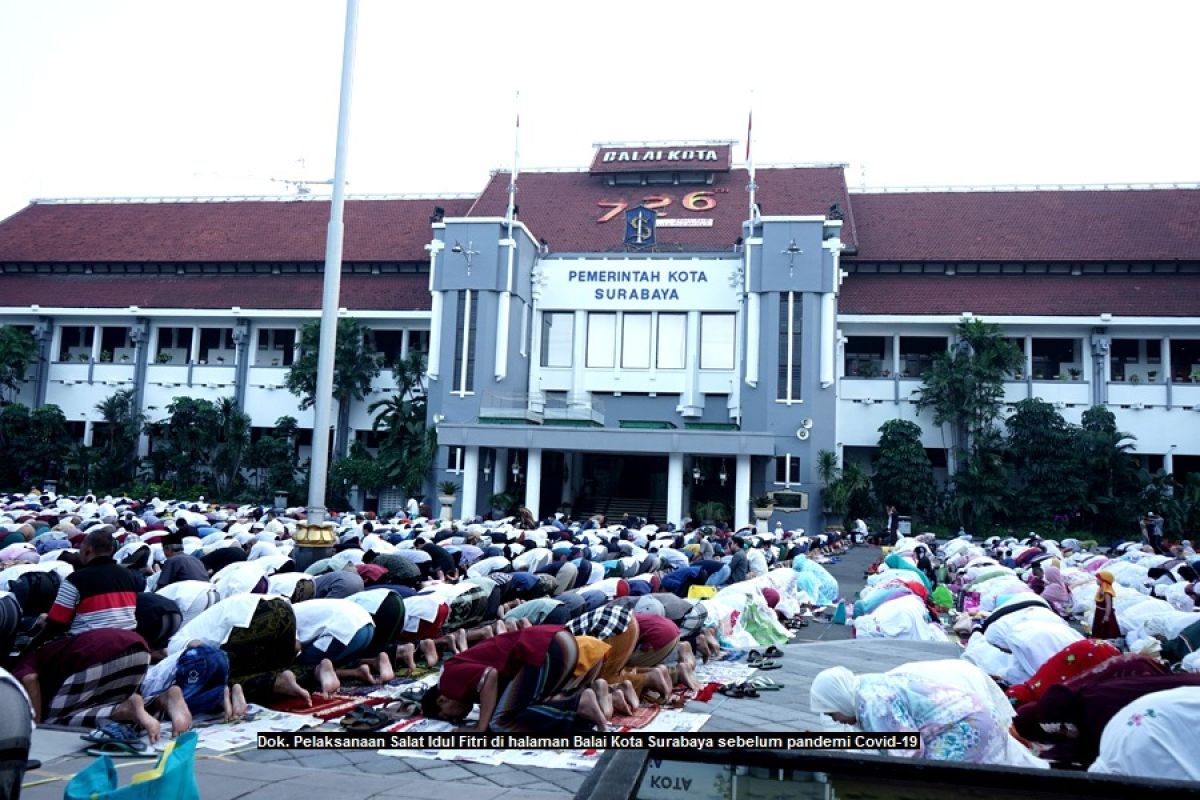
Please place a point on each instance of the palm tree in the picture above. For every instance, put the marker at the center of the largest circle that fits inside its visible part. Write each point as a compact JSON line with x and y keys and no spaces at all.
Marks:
{"x":356,"y":364}
{"x":122,"y":427}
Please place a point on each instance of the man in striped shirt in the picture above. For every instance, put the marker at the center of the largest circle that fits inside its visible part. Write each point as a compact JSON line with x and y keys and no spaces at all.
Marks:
{"x":100,"y":594}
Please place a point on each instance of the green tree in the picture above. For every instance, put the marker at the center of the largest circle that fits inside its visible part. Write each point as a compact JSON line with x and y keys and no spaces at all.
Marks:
{"x":964,"y":387}
{"x":233,"y":442}
{"x":408,"y":446}
{"x":122,"y":426}
{"x":845,"y":491}
{"x":14,"y":425}
{"x":47,"y":444}
{"x":355,"y":366}
{"x":17,"y":351}
{"x":1044,"y":456}
{"x":188,"y":438}
{"x":903,"y":474}
{"x":1107,"y":465}
{"x":275,"y":455}
{"x":981,"y":489}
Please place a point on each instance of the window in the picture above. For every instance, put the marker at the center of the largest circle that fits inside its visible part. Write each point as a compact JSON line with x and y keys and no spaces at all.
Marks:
{"x":454,"y":460}
{"x":524,"y":330}
{"x":387,"y":343}
{"x":1185,"y":360}
{"x":276,"y":347}
{"x":558,"y":339}
{"x":791,"y":318}
{"x":217,"y":347}
{"x":787,"y":469}
{"x":418,"y":342}
{"x":917,"y":354}
{"x":716,"y":341}
{"x":464,"y":346}
{"x":672,"y":341}
{"x":76,"y":343}
{"x":601,"y":340}
{"x":635,"y":341}
{"x":865,"y":356}
{"x":1056,"y":358}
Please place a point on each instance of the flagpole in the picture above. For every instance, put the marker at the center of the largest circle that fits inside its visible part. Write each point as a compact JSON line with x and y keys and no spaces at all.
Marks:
{"x":753,"y":186}
{"x":323,"y":397}
{"x":512,"y":179}
{"x":502,"y":311}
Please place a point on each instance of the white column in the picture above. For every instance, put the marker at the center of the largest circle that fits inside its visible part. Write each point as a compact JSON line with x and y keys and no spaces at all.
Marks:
{"x":741,"y":492}
{"x":691,"y":404}
{"x":470,"y":491}
{"x":97,"y":333}
{"x":1169,"y":460}
{"x":1164,"y":351}
{"x":675,"y":488}
{"x":533,"y":481}
{"x":578,"y":360}
{"x":828,"y":340}
{"x":500,"y":474}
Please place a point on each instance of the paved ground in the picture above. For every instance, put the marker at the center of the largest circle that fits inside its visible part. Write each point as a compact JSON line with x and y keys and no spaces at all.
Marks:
{"x":286,"y":774}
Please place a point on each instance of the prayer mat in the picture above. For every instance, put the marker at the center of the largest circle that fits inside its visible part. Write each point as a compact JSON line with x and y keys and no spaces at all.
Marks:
{"x":379,"y":690}
{"x":334,"y":707}
{"x":638,"y":719}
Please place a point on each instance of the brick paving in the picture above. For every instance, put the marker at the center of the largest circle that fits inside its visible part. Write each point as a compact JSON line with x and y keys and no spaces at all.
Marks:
{"x":288,"y":774}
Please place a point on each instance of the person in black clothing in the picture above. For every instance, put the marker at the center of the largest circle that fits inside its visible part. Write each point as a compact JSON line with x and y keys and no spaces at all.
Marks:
{"x":179,"y":566}
{"x":442,"y":564}
{"x":893,"y":526}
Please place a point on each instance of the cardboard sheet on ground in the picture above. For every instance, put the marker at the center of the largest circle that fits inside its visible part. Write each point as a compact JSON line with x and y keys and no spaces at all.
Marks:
{"x":724,"y":672}
{"x":221,"y":736}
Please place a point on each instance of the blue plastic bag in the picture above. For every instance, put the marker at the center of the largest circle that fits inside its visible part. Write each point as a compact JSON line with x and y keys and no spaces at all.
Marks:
{"x":172,"y":778}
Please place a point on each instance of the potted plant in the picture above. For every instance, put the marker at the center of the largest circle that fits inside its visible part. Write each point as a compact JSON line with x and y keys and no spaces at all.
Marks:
{"x":1195,"y":376}
{"x":84,"y":357}
{"x":163,"y":358}
{"x":447,"y":491}
{"x":1135,"y":379}
{"x":1151,"y":375}
{"x":106,"y":356}
{"x":763,"y":507}
{"x":869,"y":369}
{"x":502,"y":502}
{"x":124,"y":357}
{"x":1076,"y":373}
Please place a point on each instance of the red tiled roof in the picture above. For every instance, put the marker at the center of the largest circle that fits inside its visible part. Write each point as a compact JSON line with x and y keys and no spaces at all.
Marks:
{"x":387,"y":292}
{"x":561,"y":207}
{"x":1118,"y":225}
{"x":271,"y":231}
{"x":1152,"y":295}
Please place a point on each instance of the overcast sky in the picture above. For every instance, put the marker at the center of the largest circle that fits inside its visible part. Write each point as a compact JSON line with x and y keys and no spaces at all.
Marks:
{"x":141,"y":97}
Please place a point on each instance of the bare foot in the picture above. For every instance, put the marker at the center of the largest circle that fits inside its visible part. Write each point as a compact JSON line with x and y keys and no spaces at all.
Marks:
{"x":177,"y":710}
{"x":686,"y":656}
{"x":523,"y":623}
{"x":360,"y":673}
{"x":386,"y":673}
{"x":405,"y":653}
{"x":237,"y":699}
{"x":486,"y":632}
{"x":227,"y":706}
{"x":460,"y":637}
{"x":328,"y":678}
{"x":687,"y":676}
{"x":619,"y":704}
{"x":657,"y":681}
{"x":589,"y":709}
{"x":287,"y":685}
{"x":430,"y":651}
{"x":134,"y":710}
{"x":603,"y":697}
{"x":630,"y":695}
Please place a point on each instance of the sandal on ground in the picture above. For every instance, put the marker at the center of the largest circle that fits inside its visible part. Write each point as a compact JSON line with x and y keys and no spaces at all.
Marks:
{"x":769,"y":664}
{"x":734,"y":690}
{"x":766,"y":685}
{"x":365,"y":718}
{"x":116,"y":749}
{"x":754,"y":658}
{"x":774,"y":652}
{"x":113,"y":732}
{"x":748,"y":690}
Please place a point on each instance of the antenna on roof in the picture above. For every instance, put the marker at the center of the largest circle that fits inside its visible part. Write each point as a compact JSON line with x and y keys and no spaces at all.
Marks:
{"x":862,"y":175}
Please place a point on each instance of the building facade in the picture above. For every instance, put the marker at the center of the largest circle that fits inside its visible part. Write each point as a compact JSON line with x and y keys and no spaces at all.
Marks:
{"x":574,"y":359}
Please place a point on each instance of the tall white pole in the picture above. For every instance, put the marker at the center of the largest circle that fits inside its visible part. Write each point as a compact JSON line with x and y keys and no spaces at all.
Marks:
{"x":323,"y":405}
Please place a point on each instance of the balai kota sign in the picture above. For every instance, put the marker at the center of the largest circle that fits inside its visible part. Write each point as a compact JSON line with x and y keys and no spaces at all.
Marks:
{"x":671,"y":157}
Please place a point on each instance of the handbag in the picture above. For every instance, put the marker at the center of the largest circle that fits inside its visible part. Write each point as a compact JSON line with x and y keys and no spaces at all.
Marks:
{"x":172,"y":778}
